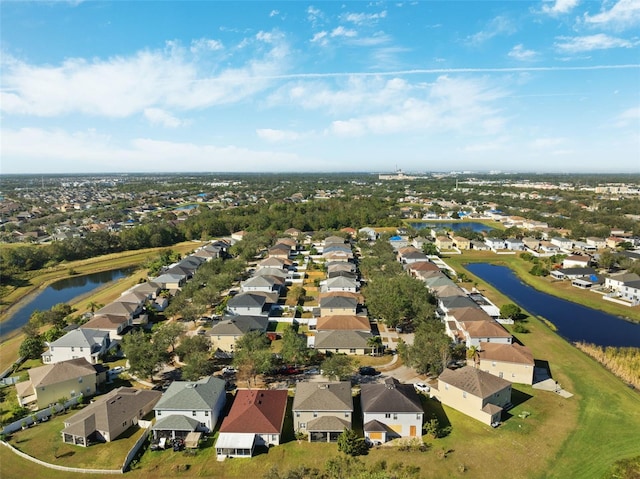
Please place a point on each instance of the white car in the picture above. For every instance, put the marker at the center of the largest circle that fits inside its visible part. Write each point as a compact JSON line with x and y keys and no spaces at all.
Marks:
{"x":422,"y":387}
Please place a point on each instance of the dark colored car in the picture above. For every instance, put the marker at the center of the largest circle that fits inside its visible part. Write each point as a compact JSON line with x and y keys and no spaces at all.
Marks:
{"x":367,"y":371}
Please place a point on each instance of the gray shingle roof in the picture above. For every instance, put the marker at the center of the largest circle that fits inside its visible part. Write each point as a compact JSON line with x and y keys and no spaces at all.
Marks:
{"x":194,"y":395}
{"x":247,"y":300}
{"x":82,"y":337}
{"x":341,"y":339}
{"x":324,"y":396}
{"x":176,"y":422}
{"x":390,"y":397}
{"x":238,"y":325}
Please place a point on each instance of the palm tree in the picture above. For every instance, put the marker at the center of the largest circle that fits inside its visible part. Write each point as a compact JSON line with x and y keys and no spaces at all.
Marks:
{"x":375,"y":342}
{"x":93,"y":306}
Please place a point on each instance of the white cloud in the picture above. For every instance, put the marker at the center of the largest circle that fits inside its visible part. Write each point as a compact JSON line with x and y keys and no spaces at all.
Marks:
{"x":499,"y":25}
{"x":629,"y":117}
{"x":122,"y":86}
{"x":61,"y":151}
{"x":364,"y":18}
{"x":205,"y":44}
{"x":274,"y":13}
{"x":157,"y":116}
{"x":624,"y":14}
{"x":320,"y":38}
{"x":559,"y":7}
{"x":522,"y":54}
{"x":599,"y":41}
{"x":276,"y":136}
{"x":546,"y":143}
{"x":343,"y":32}
{"x":314,"y":15}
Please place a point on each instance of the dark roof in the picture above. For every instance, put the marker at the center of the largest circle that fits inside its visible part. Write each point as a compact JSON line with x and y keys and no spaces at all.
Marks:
{"x":247,"y":300}
{"x":238,"y":325}
{"x":390,"y":396}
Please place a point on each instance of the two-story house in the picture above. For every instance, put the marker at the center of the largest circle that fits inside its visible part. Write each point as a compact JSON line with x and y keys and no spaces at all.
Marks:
{"x":322,"y":410}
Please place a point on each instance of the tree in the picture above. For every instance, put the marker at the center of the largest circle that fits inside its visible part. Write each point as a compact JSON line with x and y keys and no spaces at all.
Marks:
{"x":337,"y":366}
{"x":198,"y":366}
{"x":93,"y":306}
{"x":167,"y":334}
{"x":144,"y":356}
{"x":294,"y":347}
{"x":430,"y":249}
{"x":511,"y":311}
{"x":351,"y":444}
{"x":375,"y":343}
{"x":32,"y":347}
{"x":191,"y":345}
{"x":431,"y":349}
{"x":253,"y":355}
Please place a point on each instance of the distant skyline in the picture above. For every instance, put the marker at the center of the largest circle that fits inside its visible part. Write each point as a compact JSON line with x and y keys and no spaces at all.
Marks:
{"x":325,"y":86}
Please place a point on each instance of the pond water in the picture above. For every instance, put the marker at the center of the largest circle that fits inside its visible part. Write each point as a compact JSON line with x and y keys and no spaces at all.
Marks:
{"x":452,"y":225}
{"x":61,"y":291}
{"x":575,"y":322}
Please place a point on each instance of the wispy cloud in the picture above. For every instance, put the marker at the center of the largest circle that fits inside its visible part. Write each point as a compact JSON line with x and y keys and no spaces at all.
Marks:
{"x":158,"y":116}
{"x":546,"y":143}
{"x":599,"y":41}
{"x":343,"y":32}
{"x":522,"y":54}
{"x":320,"y":38}
{"x":277,"y":136}
{"x":559,"y":7}
{"x":624,"y":14}
{"x":205,"y":44}
{"x":274,"y":13}
{"x":499,"y":25}
{"x":629,"y":117}
{"x":364,"y":18}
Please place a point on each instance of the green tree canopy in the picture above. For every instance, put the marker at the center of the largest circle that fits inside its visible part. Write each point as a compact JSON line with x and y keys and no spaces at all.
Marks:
{"x":431,"y":349}
{"x":511,"y":311}
{"x":253,"y":355}
{"x":337,"y":366}
{"x":144,"y":356}
{"x":351,"y":444}
{"x":294,"y":347}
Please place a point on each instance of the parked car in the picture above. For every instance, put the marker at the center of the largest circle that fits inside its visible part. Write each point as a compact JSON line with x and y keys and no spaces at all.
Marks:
{"x":115,"y":371}
{"x":367,"y":371}
{"x":422,"y":387}
{"x":229,"y":370}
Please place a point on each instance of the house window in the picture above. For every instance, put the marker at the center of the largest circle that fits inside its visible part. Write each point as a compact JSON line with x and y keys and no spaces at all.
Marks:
{"x":79,"y":380}
{"x":124,"y":423}
{"x":464,"y":394}
{"x":303,"y":425}
{"x":419,"y":417}
{"x":193,"y":413}
{"x":352,"y":350}
{"x":387,"y":416}
{"x":337,"y":350}
{"x":80,"y":349}
{"x":72,"y":349}
{"x":346,"y":414}
{"x":315,"y":414}
{"x":493,"y":363}
{"x":446,"y":386}
{"x":297,"y":414}
{"x":158,"y":413}
{"x":206,"y":413}
{"x":395,"y":416}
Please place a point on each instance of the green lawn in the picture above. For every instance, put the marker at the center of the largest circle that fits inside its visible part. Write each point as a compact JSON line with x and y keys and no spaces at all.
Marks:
{"x":44,"y":441}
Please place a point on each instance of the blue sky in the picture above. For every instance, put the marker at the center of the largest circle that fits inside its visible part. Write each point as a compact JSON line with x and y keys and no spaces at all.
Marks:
{"x":324,"y":86}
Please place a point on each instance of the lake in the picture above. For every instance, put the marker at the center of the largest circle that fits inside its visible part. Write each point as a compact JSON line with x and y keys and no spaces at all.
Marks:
{"x":61,"y":291}
{"x":574,"y":321}
{"x":452,"y":225}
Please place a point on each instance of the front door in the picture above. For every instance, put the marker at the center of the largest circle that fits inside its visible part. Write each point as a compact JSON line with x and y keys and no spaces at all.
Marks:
{"x":412,"y":431}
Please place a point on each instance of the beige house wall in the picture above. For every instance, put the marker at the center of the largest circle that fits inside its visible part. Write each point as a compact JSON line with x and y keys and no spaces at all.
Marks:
{"x":348,"y":351}
{"x":467,"y":403}
{"x":337,"y":311}
{"x":512,"y":372}
{"x":225,"y":343}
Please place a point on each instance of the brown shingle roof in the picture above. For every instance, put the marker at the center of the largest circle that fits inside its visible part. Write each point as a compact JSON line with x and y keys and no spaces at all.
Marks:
{"x":257,"y":411}
{"x":474,"y":381}
{"x":508,"y":353}
{"x":485,"y":329}
{"x":343,"y":322}
{"x":59,"y":372}
{"x":390,"y":397}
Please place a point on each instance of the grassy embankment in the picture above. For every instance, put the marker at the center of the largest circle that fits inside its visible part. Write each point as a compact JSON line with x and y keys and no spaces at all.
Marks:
{"x":103,"y":295}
